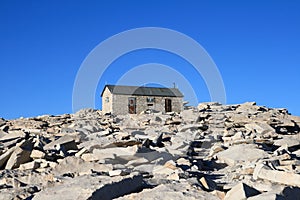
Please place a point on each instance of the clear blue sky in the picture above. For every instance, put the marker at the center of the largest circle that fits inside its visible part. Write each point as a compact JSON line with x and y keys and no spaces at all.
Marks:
{"x":255,"y":44}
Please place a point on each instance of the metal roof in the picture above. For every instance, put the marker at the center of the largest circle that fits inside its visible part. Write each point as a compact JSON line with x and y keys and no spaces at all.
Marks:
{"x":143,"y":91}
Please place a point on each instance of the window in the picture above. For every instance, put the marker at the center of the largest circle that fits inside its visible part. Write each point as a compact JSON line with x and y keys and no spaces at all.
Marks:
{"x":132,"y":105}
{"x":106,"y":99}
{"x":168,"y":105}
{"x":150,"y":100}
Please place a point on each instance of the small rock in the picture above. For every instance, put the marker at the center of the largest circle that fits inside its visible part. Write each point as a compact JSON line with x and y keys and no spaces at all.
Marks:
{"x":31,"y":165}
{"x":115,"y":172}
{"x":208,"y":184}
{"x":241,"y":191}
{"x":36,"y":154}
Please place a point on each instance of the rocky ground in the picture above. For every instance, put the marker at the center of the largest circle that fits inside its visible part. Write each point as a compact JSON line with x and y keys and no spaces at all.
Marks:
{"x":210,"y":152}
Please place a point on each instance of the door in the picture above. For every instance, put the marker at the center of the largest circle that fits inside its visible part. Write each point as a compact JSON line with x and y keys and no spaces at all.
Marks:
{"x":132,"y":105}
{"x":168,"y":105}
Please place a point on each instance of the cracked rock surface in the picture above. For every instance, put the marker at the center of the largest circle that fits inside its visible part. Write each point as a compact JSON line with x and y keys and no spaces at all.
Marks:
{"x":214,"y":151}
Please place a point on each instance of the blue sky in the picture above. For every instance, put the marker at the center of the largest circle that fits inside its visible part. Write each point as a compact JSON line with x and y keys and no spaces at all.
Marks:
{"x":255,"y":45}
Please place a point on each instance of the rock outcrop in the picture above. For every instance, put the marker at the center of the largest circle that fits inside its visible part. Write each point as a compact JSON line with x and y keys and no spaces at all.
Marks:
{"x":213,"y":151}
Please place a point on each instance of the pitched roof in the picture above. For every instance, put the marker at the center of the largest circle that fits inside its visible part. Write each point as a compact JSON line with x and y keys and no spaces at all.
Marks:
{"x":143,"y":91}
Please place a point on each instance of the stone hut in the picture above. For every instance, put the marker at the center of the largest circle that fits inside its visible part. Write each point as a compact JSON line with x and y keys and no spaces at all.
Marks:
{"x":117,"y":99}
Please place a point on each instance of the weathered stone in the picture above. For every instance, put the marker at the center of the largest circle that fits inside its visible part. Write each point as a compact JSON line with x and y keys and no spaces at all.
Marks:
{"x":266,"y":196}
{"x":259,"y":127}
{"x":157,"y":141}
{"x":262,"y":172}
{"x":42,"y":163}
{"x":248,"y":107}
{"x":208,"y":184}
{"x":292,"y":142}
{"x":183,"y":161}
{"x":30,"y":165}
{"x":148,"y":168}
{"x":12,"y":135}
{"x":160,"y":170}
{"x":136,"y":162}
{"x":219,"y":194}
{"x":89,"y":157}
{"x":78,"y":166}
{"x":232,"y":155}
{"x":189,"y":115}
{"x":20,"y":155}
{"x":241,"y":191}
{"x":216,"y":149}
{"x":175,"y":191}
{"x":172,"y":121}
{"x":155,"y":156}
{"x":239,"y":118}
{"x":203,"y":106}
{"x":115,"y":172}
{"x":66,"y":142}
{"x":2,"y":133}
{"x":193,"y":127}
{"x":122,"y":135}
{"x":111,"y":153}
{"x":91,"y":187}
{"x":36,"y":154}
{"x":5,"y":156}
{"x":82,"y":151}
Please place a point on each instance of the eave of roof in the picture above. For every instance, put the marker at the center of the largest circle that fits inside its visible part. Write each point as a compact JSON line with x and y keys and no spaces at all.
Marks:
{"x":143,"y":91}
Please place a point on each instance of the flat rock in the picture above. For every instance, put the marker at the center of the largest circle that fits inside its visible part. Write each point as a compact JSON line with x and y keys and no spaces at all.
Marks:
{"x":176,"y":191}
{"x":111,"y":153}
{"x":12,"y":135}
{"x":292,"y":141}
{"x":189,"y":115}
{"x":66,"y":141}
{"x":92,"y":187}
{"x":259,"y":127}
{"x":78,"y":166}
{"x":287,"y":178}
{"x":241,"y":153}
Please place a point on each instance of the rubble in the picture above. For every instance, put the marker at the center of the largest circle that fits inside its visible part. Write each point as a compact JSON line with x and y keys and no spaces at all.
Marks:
{"x":213,"y":151}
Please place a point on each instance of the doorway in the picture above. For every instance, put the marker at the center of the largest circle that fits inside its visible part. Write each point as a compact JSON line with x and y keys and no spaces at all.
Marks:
{"x":132,"y":105}
{"x":168,"y":105}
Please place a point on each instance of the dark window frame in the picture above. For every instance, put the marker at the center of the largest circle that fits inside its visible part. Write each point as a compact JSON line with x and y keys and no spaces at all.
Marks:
{"x":150,"y":100}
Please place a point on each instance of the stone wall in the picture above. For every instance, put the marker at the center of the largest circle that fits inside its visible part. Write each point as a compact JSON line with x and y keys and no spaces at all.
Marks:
{"x":120,"y":104}
{"x":158,"y":104}
{"x":107,"y":101}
